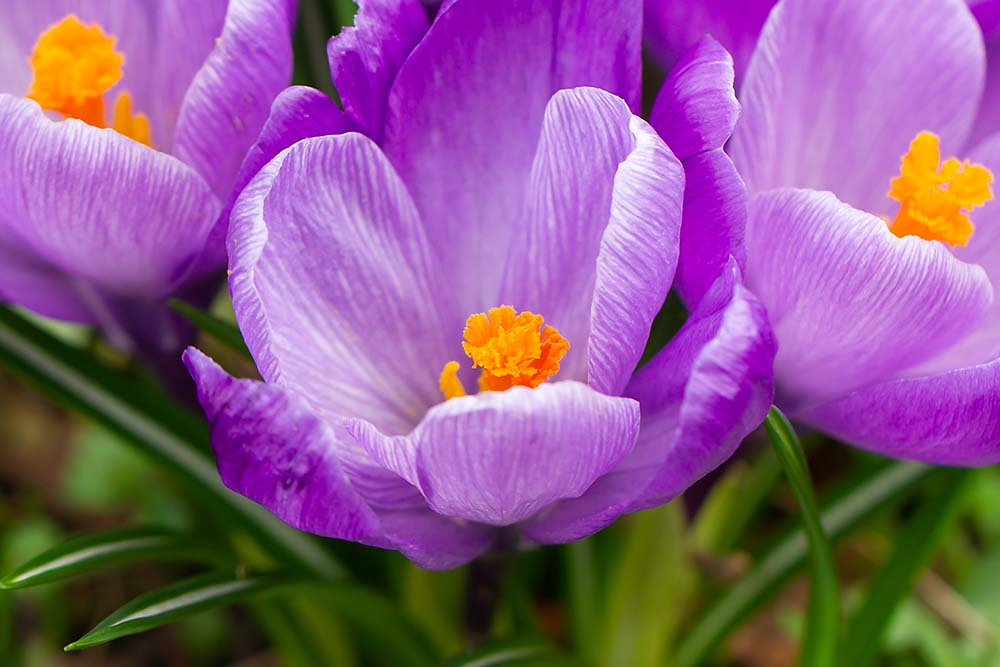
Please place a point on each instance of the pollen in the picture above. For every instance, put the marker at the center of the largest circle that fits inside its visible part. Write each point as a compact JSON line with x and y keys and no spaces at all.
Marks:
{"x":74,"y":66}
{"x":935,"y":198}
{"x":513,"y":349}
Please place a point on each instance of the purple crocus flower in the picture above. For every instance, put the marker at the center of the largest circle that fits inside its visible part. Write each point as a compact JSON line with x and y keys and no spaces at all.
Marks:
{"x":123,"y":124}
{"x":494,"y":195}
{"x":878,"y":275}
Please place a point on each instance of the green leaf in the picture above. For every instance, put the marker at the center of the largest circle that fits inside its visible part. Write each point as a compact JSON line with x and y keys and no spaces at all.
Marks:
{"x":514,"y":654}
{"x":227,"y":332}
{"x":101,"y":550}
{"x":179,"y":600}
{"x":914,"y":547}
{"x":647,"y":590}
{"x":819,"y":645}
{"x":146,"y":418}
{"x":859,"y":501}
{"x":377,"y":623}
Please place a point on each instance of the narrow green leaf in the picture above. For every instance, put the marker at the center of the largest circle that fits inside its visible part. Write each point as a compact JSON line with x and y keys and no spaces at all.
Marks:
{"x":647,"y":589}
{"x":227,"y":332}
{"x":146,"y":418}
{"x":819,"y":644}
{"x":914,"y":547}
{"x":101,"y":550}
{"x":859,"y":501}
{"x":178,"y":600}
{"x":380,"y":628}
{"x":583,"y":599}
{"x":514,"y":654}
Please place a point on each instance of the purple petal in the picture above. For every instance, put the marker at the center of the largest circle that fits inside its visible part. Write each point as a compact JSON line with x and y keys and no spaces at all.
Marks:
{"x":700,"y":396}
{"x":674,"y":26}
{"x":952,"y":418}
{"x":186,"y":34}
{"x":851,"y":303}
{"x":837,"y":89}
{"x":299,"y":112}
{"x":335,"y":286}
{"x":365,"y":58}
{"x":272,"y":449}
{"x":500,"y":457}
{"x":70,"y":201}
{"x":696,"y":109}
{"x":229,"y":99}
{"x":713,"y":230}
{"x":987,"y":13}
{"x":466,"y":110}
{"x":596,"y":250}
{"x":27,"y":281}
{"x":695,"y":113}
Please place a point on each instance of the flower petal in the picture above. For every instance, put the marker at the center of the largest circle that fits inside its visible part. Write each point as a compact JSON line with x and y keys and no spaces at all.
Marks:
{"x":335,"y":287}
{"x":27,"y":281}
{"x":365,"y":58}
{"x":850,"y":302}
{"x":466,"y":109}
{"x":699,"y":397}
{"x":951,"y":418}
{"x":837,"y":89}
{"x":299,"y":112}
{"x":673,"y":26}
{"x":229,"y":99}
{"x":596,"y":249}
{"x":97,"y":206}
{"x":272,"y":449}
{"x":500,"y":457}
{"x":696,"y":109}
{"x":695,"y":113}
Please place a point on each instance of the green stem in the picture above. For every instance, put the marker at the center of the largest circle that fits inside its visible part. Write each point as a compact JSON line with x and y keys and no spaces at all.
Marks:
{"x":819,"y":645}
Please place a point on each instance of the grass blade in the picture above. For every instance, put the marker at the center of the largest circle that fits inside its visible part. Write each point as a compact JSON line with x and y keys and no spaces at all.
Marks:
{"x":514,"y":654}
{"x":861,"y":500}
{"x":819,"y":644}
{"x":101,"y":550}
{"x":179,"y":600}
{"x":146,"y":418}
{"x":914,"y":548}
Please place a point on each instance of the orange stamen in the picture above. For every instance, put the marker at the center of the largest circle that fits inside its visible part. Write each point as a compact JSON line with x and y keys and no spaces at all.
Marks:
{"x":513,"y":349}
{"x":935,"y":198}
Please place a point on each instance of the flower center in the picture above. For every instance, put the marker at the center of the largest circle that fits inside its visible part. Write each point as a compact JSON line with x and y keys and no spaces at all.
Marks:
{"x":513,"y":349}
{"x":74,"y":65}
{"x":935,"y":198}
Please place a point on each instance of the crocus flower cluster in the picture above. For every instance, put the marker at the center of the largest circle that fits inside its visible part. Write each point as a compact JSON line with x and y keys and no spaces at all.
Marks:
{"x":122,"y":127}
{"x":448,"y":280}
{"x":447,"y":302}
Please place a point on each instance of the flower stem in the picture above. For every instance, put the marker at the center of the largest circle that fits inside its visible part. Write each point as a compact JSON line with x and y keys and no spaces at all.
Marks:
{"x":483,"y":586}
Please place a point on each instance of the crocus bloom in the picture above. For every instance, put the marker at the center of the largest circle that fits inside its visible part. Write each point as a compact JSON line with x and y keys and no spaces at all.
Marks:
{"x":873,"y":252}
{"x":122,"y":127}
{"x":448,"y":309}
